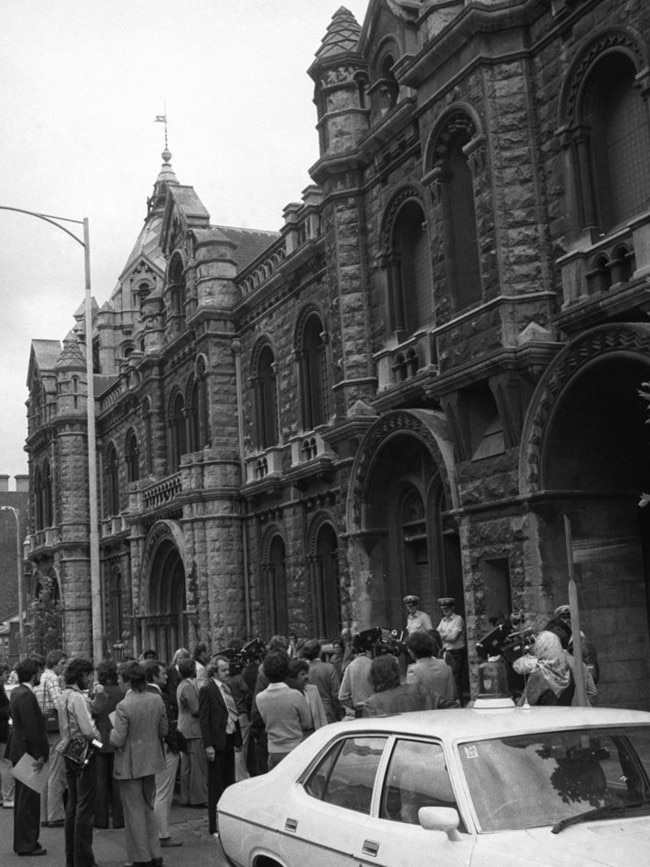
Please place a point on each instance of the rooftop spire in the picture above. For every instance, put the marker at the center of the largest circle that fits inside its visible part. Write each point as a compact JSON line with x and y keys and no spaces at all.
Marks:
{"x":166,"y":176}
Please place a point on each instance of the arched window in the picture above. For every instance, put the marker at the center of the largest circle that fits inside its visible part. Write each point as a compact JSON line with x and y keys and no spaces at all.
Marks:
{"x":115,"y":608}
{"x":193,"y":419}
{"x":111,"y":472}
{"x":312,"y":368}
{"x":132,"y":456}
{"x":613,"y":144}
{"x":327,"y":591}
{"x":178,"y":432}
{"x":177,"y":289}
{"x":38,"y":499}
{"x":198,"y":409}
{"x":455,"y":194}
{"x":48,"y":499}
{"x":148,"y":434}
{"x":411,"y":283}
{"x":275,"y":586}
{"x":266,"y":415}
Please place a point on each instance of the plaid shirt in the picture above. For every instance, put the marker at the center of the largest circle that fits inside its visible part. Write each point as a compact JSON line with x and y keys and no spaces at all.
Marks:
{"x":48,"y":692}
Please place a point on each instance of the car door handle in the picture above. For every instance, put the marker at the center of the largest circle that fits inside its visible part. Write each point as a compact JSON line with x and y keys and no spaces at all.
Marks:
{"x":291,"y":825}
{"x":370,"y":848}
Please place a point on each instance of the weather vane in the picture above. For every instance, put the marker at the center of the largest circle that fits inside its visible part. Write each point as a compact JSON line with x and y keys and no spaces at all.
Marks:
{"x":162,"y":118}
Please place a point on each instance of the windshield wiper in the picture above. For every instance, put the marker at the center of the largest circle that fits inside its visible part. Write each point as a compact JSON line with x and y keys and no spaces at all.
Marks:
{"x":606,"y":810}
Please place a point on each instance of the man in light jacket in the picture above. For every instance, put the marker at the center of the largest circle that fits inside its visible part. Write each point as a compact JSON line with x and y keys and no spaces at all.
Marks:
{"x":140,"y":725}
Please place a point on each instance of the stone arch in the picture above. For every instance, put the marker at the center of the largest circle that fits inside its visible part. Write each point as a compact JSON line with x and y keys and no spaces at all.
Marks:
{"x":458,"y":115}
{"x":593,"y":48}
{"x":415,"y":192}
{"x":161,"y":603}
{"x":585,"y":456}
{"x":629,"y":339}
{"x":405,"y":454}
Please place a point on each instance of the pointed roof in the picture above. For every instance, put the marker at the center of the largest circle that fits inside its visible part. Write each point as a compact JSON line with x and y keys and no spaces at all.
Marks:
{"x":165,"y":179}
{"x":342,"y":36}
{"x":42,"y":357}
{"x":71,"y":357}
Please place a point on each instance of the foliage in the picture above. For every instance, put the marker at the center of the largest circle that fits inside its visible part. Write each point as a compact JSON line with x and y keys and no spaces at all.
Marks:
{"x":45,"y":616}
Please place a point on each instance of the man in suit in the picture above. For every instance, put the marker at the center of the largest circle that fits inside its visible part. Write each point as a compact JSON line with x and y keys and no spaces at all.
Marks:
{"x":323,"y":676}
{"x":29,"y":736}
{"x":156,"y":675}
{"x":138,"y":733}
{"x":220,"y":731}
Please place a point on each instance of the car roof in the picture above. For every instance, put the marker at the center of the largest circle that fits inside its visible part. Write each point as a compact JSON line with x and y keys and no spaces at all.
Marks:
{"x":474,"y":723}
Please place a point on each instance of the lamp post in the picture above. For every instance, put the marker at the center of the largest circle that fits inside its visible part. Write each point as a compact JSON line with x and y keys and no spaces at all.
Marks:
{"x":19,"y":575}
{"x":95,"y":582}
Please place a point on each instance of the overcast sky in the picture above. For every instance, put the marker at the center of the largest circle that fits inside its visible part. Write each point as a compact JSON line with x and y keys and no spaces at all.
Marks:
{"x":80,"y":86}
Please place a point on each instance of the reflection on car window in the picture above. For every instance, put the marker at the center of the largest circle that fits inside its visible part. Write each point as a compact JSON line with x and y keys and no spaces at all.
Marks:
{"x":346,"y":775}
{"x":544,"y":777}
{"x":417,"y":777}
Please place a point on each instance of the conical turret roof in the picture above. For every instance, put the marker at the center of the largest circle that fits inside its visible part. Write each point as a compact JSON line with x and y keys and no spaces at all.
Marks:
{"x":342,"y":36}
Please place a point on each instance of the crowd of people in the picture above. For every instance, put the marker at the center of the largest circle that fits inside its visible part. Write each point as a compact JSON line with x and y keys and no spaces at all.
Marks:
{"x":218,"y":719}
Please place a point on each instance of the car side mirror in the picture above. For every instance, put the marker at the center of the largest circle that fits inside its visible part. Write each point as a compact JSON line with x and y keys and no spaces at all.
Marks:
{"x":440,"y":819}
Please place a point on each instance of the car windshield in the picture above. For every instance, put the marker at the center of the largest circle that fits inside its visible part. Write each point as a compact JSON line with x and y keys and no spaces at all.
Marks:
{"x":542,"y":778}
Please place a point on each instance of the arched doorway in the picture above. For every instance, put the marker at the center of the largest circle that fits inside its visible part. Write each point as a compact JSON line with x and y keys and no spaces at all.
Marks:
{"x":403,"y":536}
{"x":593,"y":462}
{"x":164,"y":626}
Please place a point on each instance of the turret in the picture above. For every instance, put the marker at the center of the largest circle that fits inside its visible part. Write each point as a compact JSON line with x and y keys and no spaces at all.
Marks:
{"x":341,"y":78}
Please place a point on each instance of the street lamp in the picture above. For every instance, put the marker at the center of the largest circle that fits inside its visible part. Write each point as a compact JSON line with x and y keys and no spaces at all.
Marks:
{"x":19,"y":574}
{"x":95,"y":583}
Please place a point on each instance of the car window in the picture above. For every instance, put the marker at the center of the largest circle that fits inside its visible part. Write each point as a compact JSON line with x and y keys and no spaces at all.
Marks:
{"x":346,"y":774}
{"x":416,"y":777}
{"x":541,"y":778}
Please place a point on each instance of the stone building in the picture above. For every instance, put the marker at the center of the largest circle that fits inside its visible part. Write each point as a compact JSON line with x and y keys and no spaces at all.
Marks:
{"x":409,"y":386}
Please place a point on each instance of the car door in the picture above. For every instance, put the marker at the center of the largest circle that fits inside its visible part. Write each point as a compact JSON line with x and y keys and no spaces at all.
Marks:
{"x":413,"y":775}
{"x":328,"y":809}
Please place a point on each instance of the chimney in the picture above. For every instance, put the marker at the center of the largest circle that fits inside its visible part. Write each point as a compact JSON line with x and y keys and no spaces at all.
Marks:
{"x":4,"y":484}
{"x":22,"y":484}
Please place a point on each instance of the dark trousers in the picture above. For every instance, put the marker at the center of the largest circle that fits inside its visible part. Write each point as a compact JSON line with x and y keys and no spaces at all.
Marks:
{"x":79,"y":814}
{"x":27,"y":818}
{"x":221,"y":774}
{"x":455,"y":659}
{"x":107,"y":795}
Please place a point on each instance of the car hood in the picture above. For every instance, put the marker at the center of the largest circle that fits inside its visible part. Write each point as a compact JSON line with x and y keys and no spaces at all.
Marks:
{"x":611,"y":842}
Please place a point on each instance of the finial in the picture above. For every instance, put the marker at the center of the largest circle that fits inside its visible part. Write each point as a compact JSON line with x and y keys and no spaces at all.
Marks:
{"x":162,"y":118}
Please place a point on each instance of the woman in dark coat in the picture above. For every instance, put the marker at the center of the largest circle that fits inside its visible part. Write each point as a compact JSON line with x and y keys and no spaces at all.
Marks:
{"x":102,"y":703}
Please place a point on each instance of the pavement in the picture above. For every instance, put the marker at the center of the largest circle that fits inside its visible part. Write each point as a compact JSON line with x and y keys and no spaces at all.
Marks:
{"x":188,"y":824}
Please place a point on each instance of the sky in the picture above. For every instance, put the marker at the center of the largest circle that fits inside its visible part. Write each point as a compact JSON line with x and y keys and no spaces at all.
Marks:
{"x":81,"y":83}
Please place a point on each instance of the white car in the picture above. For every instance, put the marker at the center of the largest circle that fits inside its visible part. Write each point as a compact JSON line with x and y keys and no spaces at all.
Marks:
{"x":479,"y":787}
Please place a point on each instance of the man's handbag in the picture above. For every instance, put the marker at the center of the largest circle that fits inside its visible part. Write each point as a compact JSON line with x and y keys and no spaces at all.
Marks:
{"x":73,"y":746}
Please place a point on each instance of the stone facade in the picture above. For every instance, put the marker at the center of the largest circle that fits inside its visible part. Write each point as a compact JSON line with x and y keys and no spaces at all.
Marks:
{"x":411,"y":385}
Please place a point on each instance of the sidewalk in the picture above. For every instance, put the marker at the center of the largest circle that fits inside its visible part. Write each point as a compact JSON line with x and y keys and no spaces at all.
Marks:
{"x":188,"y":824}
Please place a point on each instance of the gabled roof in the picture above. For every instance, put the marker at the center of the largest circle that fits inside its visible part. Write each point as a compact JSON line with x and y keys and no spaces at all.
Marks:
{"x":147,"y":247}
{"x":43,"y":356}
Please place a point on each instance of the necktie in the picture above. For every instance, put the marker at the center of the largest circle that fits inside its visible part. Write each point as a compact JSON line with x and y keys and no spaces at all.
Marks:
{"x":233,"y":716}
